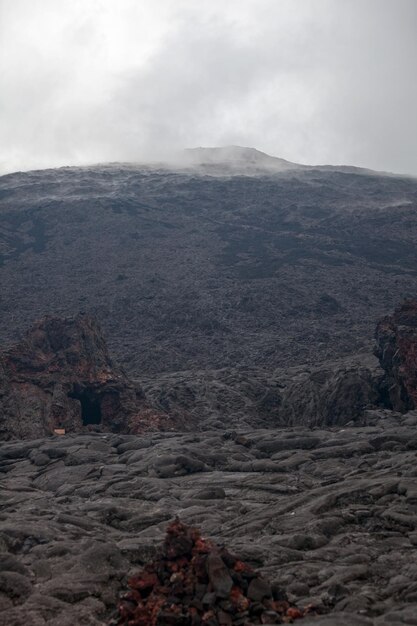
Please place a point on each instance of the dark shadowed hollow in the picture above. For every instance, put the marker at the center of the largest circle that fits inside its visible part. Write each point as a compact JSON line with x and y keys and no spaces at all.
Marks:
{"x":90,"y":406}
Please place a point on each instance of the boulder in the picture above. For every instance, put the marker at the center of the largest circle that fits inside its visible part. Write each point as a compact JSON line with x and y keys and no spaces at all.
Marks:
{"x":396,"y":349}
{"x":60,"y":379}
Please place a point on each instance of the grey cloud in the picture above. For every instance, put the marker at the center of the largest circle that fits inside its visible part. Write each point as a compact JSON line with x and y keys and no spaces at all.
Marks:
{"x":323,"y":81}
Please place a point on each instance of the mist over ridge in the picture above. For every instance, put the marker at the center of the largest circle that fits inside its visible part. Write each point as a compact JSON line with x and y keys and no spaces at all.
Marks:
{"x":328,"y":82}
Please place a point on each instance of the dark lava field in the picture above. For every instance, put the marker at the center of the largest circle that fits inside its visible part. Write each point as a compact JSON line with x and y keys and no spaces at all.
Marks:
{"x":240,"y":294}
{"x":329,"y":516}
{"x":189,"y":270}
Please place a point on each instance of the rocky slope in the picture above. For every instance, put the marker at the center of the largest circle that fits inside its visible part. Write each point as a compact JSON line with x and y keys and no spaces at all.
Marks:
{"x":327,"y":394}
{"x":187,"y":270}
{"x":329,"y":516}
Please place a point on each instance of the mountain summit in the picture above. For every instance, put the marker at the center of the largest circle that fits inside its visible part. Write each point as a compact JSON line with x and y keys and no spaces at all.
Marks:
{"x":236,"y":159}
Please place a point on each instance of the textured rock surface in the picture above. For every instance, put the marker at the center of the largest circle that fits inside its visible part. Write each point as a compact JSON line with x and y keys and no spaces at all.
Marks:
{"x":329,"y":515}
{"x":61,"y":376}
{"x":186,"y":271}
{"x":330,"y":393}
{"x":396,"y":337}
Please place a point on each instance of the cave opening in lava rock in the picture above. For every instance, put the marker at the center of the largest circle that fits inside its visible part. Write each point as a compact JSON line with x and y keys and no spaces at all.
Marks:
{"x":90,"y":406}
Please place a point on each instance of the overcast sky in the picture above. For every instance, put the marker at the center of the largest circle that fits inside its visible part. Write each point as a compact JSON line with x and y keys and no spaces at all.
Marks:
{"x":312,"y":81}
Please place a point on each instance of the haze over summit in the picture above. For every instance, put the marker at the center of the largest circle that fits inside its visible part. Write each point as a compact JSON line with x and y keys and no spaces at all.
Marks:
{"x":236,"y":155}
{"x":323,"y":82}
{"x":244,"y":160}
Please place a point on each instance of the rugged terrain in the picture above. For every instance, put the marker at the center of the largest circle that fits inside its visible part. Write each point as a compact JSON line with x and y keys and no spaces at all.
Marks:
{"x":270,"y":265}
{"x":241,"y":299}
{"x":61,"y":376}
{"x":327,"y":515}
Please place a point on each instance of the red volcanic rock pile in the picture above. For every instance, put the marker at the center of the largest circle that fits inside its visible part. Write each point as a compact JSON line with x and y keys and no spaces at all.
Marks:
{"x":396,"y":337}
{"x":195,"y":583}
{"x":61,"y":377}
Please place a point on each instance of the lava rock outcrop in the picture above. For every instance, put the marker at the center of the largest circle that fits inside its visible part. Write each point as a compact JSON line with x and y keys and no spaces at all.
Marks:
{"x":61,"y":377}
{"x":329,"y":517}
{"x":193,"y":582}
{"x":329,"y":394}
{"x":396,"y":339}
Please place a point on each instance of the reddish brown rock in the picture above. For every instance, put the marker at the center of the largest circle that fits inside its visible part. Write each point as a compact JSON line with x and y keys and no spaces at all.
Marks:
{"x":193,"y":582}
{"x":61,"y":378}
{"x":396,"y":338}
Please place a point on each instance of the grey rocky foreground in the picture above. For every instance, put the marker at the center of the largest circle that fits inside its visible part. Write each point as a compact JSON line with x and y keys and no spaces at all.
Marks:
{"x":331,"y":515}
